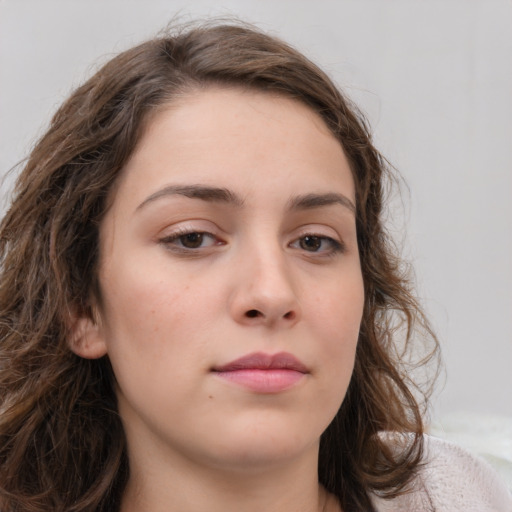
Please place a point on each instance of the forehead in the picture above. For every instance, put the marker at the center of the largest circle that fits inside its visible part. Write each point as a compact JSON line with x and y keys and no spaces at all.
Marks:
{"x":237,"y":137}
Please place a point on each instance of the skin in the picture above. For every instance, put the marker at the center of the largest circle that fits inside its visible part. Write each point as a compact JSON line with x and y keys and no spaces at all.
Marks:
{"x":252,"y":282}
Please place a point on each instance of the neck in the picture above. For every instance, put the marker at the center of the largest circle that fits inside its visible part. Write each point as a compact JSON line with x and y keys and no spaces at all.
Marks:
{"x":282,"y":487}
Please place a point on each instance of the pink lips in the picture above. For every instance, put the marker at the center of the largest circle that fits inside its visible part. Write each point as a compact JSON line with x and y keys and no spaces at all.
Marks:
{"x":264,"y":373}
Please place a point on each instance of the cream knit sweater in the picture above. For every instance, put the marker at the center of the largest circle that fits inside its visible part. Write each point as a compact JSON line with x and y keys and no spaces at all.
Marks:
{"x":452,"y":480}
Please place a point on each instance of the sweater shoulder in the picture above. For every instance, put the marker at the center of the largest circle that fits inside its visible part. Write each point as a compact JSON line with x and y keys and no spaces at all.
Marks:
{"x":451,"y":479}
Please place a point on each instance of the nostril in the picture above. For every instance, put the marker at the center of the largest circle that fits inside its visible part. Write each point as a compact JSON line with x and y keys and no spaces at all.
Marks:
{"x":256,"y":313}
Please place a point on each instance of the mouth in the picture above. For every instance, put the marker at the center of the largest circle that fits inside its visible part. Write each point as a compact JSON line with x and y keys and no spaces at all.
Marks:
{"x":263,"y":373}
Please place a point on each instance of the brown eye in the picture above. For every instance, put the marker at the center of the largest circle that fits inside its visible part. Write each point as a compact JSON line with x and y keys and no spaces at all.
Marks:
{"x":311,"y":243}
{"x":319,"y":245}
{"x":192,"y":240}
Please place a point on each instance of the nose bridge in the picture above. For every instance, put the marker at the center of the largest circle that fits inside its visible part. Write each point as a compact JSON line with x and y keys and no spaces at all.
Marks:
{"x":270,"y":274}
{"x":266,"y":287}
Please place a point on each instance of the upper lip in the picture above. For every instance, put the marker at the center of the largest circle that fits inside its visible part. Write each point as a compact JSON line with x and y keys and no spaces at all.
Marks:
{"x":262,"y":361}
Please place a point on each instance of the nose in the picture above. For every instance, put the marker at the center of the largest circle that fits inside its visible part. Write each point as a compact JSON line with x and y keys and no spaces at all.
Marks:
{"x":265,"y":291}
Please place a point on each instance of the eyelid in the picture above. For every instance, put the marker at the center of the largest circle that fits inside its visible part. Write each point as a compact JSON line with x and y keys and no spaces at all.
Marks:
{"x":319,"y":230}
{"x":325,"y":234}
{"x":179,"y":234}
{"x":336,"y":245}
{"x":189,"y":226}
{"x":169,"y":236}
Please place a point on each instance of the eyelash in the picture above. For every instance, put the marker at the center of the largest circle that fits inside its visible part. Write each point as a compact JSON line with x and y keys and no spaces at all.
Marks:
{"x":169,"y":241}
{"x":336,"y":247}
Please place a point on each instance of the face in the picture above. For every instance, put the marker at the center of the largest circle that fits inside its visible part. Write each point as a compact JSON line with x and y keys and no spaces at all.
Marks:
{"x":231,"y":284}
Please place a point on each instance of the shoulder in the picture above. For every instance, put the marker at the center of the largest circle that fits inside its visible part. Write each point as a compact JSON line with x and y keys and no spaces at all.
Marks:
{"x":451,"y":479}
{"x":457,"y":478}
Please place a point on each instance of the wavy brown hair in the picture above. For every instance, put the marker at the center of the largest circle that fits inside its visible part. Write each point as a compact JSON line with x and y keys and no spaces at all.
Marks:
{"x":62,"y":446}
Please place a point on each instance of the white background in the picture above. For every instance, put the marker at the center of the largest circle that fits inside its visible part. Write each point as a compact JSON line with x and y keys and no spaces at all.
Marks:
{"x":435,"y":79}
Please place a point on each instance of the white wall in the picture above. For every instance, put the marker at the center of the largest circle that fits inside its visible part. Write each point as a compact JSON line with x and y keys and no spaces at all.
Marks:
{"x":435,"y":79}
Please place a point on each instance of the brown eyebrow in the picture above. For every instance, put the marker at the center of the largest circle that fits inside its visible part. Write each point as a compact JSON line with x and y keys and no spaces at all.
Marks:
{"x":224,"y":195}
{"x":203,"y":192}
{"x":309,"y":201}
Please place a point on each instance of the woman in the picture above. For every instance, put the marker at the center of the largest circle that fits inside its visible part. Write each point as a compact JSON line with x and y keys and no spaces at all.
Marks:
{"x":200,"y":309}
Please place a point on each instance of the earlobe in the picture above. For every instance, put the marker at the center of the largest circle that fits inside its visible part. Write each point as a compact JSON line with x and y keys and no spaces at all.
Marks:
{"x":86,"y":339}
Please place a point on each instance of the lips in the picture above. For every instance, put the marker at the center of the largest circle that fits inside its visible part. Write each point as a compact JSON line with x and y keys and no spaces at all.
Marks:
{"x":263,"y":373}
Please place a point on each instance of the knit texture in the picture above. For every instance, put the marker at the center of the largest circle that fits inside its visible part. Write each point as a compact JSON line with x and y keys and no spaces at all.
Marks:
{"x":451,"y":480}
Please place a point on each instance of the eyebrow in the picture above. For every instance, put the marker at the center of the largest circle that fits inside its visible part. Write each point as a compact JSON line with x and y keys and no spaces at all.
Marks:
{"x":310,"y":201}
{"x":203,"y":192}
{"x":224,"y":195}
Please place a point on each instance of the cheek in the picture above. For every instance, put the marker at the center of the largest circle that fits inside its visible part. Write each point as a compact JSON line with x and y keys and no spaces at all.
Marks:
{"x":152,"y":332}
{"x":336,"y":318}
{"x":337,"y":310}
{"x":151,"y":314}
{"x":152,"y":291}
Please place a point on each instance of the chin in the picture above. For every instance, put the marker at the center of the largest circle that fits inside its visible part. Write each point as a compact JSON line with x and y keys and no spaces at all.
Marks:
{"x":266,"y":444}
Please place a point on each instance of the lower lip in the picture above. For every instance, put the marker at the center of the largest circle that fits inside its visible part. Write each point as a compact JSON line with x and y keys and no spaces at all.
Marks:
{"x":272,"y":380}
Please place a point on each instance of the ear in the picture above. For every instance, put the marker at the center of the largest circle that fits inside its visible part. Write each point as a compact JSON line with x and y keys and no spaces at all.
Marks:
{"x":87,"y":339}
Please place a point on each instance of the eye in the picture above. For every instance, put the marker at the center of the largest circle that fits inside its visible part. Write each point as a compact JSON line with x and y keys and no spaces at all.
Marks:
{"x":190,"y":240}
{"x":311,"y":243}
{"x":318,"y":244}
